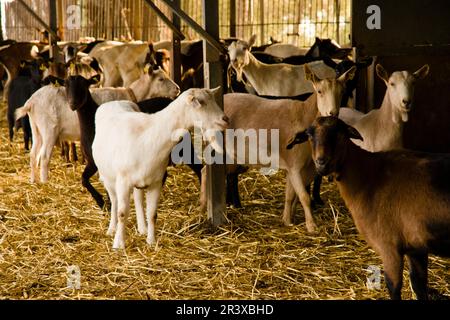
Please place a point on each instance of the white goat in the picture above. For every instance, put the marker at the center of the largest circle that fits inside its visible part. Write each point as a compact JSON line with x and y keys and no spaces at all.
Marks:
{"x":284,"y":50}
{"x":278,"y":79}
{"x":139,"y":156}
{"x":382,"y":128}
{"x":53,"y":121}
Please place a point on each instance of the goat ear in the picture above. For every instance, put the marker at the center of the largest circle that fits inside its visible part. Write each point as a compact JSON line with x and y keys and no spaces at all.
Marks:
{"x":53,"y":80}
{"x":252,"y":41}
{"x":382,"y":73}
{"x":151,"y":49}
{"x":348,"y":75}
{"x":422,"y":72}
{"x":353,"y":133}
{"x":94,"y":79}
{"x":215,"y":91}
{"x":299,"y":137}
{"x":309,"y":75}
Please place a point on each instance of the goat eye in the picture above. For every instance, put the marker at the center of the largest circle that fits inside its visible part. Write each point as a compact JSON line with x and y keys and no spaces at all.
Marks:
{"x":392,"y":84}
{"x":161,"y":79}
{"x":319,"y":91}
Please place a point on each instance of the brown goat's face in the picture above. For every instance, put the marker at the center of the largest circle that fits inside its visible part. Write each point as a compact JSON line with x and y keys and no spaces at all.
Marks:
{"x":77,"y":90}
{"x":329,"y":138}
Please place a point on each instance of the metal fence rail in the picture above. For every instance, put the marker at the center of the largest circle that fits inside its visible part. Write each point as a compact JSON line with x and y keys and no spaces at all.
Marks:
{"x":290,"y":21}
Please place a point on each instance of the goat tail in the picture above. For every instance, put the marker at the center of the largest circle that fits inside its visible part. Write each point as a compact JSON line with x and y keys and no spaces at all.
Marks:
{"x":22,"y":111}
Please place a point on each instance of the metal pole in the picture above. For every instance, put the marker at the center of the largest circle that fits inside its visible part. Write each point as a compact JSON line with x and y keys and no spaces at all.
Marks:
{"x":214,"y":76}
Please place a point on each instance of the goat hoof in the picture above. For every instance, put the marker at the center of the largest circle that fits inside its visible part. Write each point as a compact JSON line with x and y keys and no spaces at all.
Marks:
{"x":142,"y":231}
{"x":287,"y":222}
{"x":311,"y":228}
{"x":150,"y":241}
{"x":110,"y":232}
{"x":118,"y":244}
{"x":316,"y":203}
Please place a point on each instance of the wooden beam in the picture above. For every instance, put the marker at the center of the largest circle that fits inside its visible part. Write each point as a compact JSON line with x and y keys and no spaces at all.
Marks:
{"x":53,"y":37}
{"x":197,"y":28}
{"x":176,"y":48}
{"x":262,"y":35}
{"x":214,"y":77}
{"x":232,"y":18}
{"x":41,"y":22}
{"x":165,"y":20}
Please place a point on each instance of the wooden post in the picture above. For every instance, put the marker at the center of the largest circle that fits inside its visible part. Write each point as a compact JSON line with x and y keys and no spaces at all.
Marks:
{"x":262,"y":35}
{"x":337,"y":9}
{"x":53,"y":26}
{"x":214,"y":76}
{"x":232,"y":18}
{"x":176,"y":48}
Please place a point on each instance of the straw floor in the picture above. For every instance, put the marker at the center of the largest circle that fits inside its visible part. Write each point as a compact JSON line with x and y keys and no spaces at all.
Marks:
{"x":44,"y":229}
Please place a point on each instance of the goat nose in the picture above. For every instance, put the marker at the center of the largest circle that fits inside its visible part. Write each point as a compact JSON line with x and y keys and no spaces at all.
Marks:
{"x":406,"y":102}
{"x":321,"y":161}
{"x":225,"y":118}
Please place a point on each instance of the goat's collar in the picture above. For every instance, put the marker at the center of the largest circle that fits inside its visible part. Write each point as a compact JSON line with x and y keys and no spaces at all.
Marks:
{"x":132,"y":95}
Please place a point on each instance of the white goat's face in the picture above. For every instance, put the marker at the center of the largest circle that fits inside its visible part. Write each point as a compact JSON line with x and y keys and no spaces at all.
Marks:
{"x":400,"y":87}
{"x":161,"y":85}
{"x":239,"y":52}
{"x":329,"y":91}
{"x":206,"y":114}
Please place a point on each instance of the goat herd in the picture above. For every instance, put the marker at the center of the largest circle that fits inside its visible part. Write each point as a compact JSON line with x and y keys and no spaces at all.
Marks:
{"x":118,"y":100}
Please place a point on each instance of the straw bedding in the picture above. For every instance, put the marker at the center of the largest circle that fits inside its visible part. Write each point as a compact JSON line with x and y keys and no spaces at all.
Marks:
{"x":46,"y":228}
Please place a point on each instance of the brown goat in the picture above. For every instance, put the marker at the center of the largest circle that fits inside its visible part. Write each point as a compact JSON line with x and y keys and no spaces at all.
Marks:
{"x":399,"y":200}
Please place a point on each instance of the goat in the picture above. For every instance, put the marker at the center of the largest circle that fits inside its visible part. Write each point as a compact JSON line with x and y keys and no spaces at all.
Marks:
{"x":399,"y":199}
{"x":52,"y":120}
{"x":21,"y":88}
{"x":382,"y":128}
{"x":247,"y":111}
{"x":126,"y":163}
{"x":273,"y":79}
{"x":81,"y":101}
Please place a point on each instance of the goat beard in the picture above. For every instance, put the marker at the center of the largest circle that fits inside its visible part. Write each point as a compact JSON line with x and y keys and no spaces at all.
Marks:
{"x":405,"y":116}
{"x":239,"y":73}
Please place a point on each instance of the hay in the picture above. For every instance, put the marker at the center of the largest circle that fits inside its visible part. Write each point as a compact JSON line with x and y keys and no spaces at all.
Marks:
{"x":44,"y":229}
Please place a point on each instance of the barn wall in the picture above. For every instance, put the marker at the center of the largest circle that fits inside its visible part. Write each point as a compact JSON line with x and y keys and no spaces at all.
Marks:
{"x":290,"y":21}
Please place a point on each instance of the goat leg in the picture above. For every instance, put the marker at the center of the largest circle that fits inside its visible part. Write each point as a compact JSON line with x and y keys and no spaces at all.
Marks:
{"x":418,"y":273}
{"x":316,"y":199}
{"x":232,"y":191}
{"x":393,"y":272}
{"x":88,"y":172}
{"x":73,"y":151}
